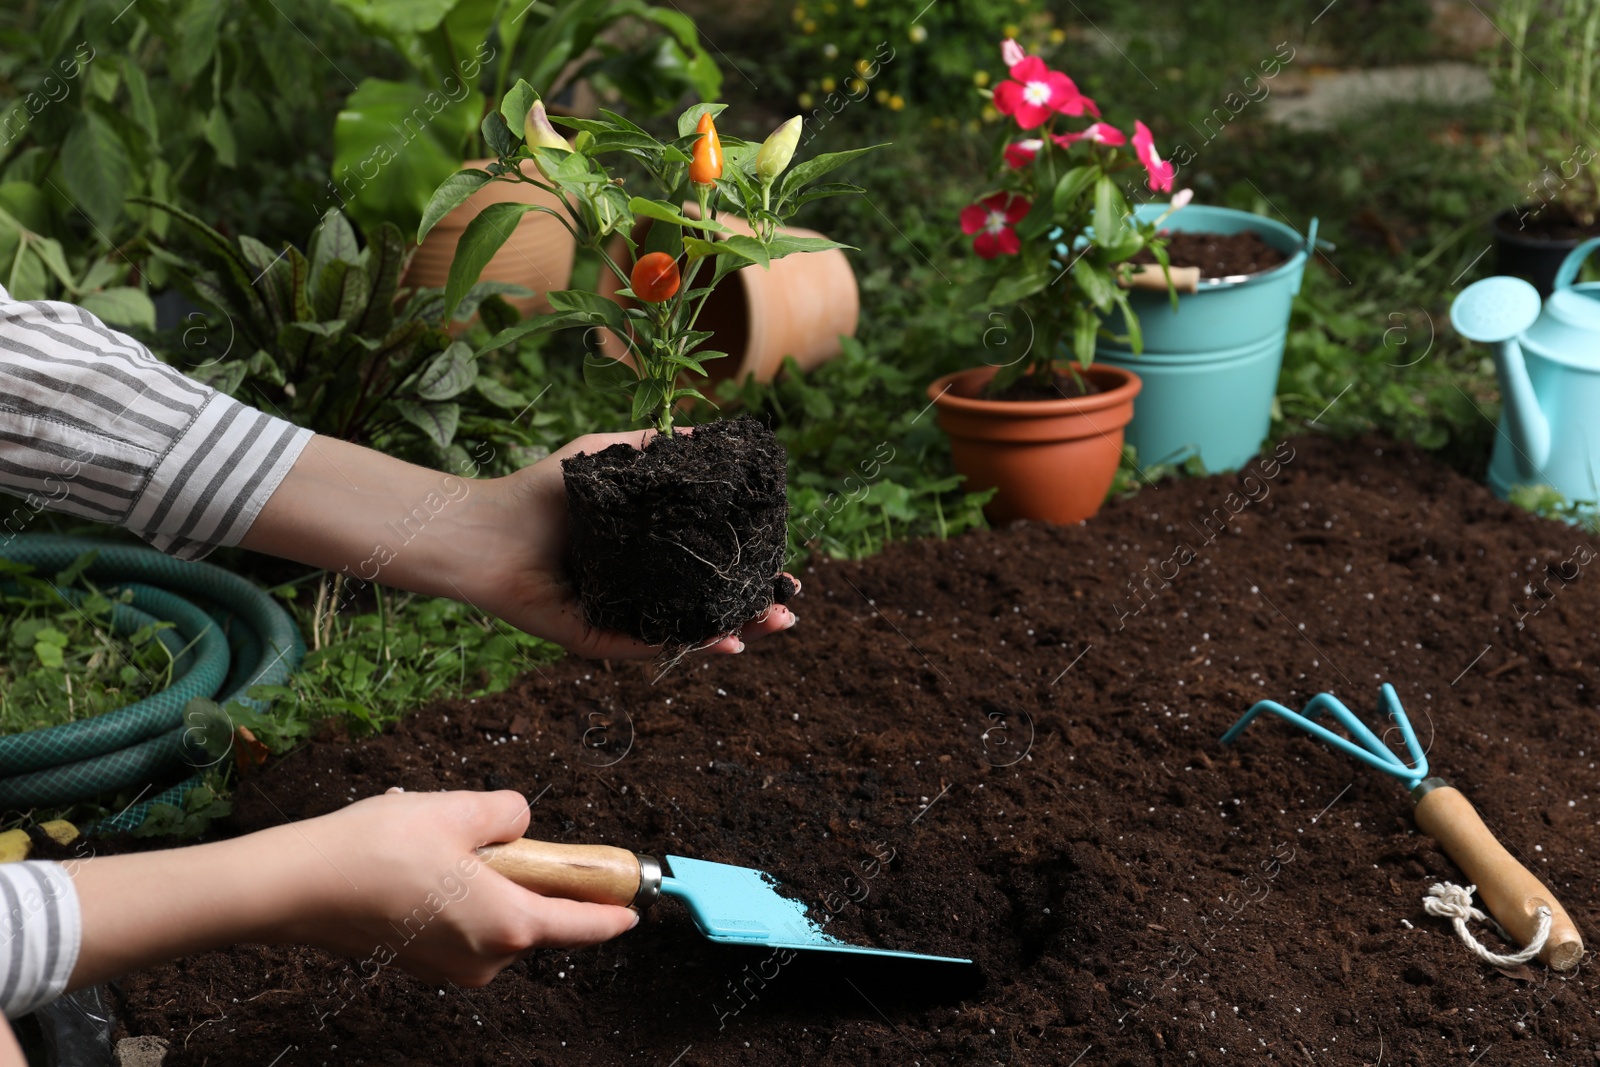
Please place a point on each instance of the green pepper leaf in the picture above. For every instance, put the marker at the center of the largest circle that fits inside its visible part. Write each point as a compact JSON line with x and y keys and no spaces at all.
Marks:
{"x":451,"y":194}
{"x":482,"y":238}
{"x":662,"y":211}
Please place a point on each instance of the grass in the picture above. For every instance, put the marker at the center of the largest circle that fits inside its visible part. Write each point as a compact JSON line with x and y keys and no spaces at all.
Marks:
{"x":61,"y":660}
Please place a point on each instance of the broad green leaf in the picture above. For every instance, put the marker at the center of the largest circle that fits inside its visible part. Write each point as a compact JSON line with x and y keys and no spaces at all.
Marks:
{"x":451,"y":194}
{"x":219,"y":135}
{"x":482,"y":238}
{"x":785,"y":245}
{"x":603,"y":372}
{"x":139,"y":100}
{"x":801,"y":174}
{"x":754,"y":250}
{"x":438,"y":422}
{"x":1085,"y":328}
{"x":399,"y":17}
{"x":691,"y":118}
{"x":197,"y":38}
{"x":516,"y":104}
{"x":498,"y":136}
{"x":1095,"y":282}
{"x":1108,"y":211}
{"x":1071,"y":186}
{"x":394,"y":143}
{"x":1014,"y":287}
{"x":451,"y":373}
{"x":648,"y":400}
{"x":383,"y":259}
{"x":597,"y":308}
{"x":665,"y":212}
{"x":97,"y":168}
{"x":121,"y":307}
{"x":501,"y":396}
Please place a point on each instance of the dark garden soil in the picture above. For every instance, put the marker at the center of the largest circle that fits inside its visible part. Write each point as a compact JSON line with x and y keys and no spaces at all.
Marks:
{"x":1218,"y":255}
{"x":1060,"y":387}
{"x":995,"y":747}
{"x":1551,"y":222}
{"x":683,"y":540}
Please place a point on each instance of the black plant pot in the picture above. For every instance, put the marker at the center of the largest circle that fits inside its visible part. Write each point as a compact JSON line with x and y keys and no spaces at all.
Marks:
{"x":1526,"y":250}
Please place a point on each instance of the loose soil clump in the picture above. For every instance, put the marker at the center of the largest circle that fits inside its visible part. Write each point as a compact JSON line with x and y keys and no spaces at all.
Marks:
{"x":681,"y":541}
{"x":1218,"y":255}
{"x":1004,"y":746}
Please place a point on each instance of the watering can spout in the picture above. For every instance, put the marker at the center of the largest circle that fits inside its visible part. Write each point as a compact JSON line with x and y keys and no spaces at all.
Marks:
{"x":1526,"y":424}
{"x":1496,"y":311}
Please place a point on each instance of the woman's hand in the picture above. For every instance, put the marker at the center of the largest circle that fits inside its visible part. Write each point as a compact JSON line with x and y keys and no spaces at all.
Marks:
{"x":499,"y":544}
{"x":401,"y":882}
{"x":390,"y":881}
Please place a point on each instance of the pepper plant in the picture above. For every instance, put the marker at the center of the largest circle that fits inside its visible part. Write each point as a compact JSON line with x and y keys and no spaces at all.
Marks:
{"x":612,"y":175}
{"x":1056,"y":221}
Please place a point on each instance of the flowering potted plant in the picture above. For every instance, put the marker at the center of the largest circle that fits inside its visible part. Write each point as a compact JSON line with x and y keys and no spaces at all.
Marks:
{"x":1058,"y":231}
{"x":679,"y":542}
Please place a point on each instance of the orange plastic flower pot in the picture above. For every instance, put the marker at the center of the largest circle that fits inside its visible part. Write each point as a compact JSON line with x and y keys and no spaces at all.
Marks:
{"x":1052,"y":460}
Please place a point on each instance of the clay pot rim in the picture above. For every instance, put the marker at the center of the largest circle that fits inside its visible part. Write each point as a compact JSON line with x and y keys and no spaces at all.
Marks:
{"x":1126,"y":387}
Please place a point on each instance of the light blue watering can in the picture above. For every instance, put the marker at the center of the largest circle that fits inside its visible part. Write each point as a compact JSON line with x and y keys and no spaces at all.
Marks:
{"x":1548,"y":362}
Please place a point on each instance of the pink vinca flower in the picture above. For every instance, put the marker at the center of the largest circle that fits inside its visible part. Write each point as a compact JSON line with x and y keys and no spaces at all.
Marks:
{"x":1161,"y":172}
{"x":1021,"y":153}
{"x":1035,"y":92}
{"x":994,"y":219}
{"x":1011,"y":53}
{"x":1099,"y":133}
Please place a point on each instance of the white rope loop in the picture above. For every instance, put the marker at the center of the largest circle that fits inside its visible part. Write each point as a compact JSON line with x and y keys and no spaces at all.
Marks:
{"x":1447,"y":900}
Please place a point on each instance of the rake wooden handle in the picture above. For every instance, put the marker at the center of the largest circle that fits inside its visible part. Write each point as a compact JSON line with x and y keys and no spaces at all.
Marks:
{"x":1149,"y":276}
{"x":1512,"y":893}
{"x":598,"y":874}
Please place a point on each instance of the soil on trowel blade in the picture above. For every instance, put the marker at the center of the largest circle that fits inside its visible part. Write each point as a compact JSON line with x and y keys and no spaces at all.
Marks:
{"x":683,"y":540}
{"x":1218,"y":255}
{"x":1004,"y":746}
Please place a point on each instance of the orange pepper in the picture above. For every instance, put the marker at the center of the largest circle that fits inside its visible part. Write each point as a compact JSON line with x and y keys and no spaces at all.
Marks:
{"x":706,"y":166}
{"x":655,"y":277}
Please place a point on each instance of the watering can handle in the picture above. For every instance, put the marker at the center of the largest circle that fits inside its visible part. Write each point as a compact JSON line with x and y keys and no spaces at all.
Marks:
{"x":597,"y":874}
{"x":1570,"y":266}
{"x":1511,"y":891}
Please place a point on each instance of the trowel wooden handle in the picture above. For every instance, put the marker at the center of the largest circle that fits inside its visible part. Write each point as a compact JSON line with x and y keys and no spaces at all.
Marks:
{"x":1149,"y":276}
{"x":1512,"y":893}
{"x":599,"y":874}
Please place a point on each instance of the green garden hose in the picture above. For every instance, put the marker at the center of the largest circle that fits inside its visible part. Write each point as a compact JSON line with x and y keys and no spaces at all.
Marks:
{"x":148,"y":741}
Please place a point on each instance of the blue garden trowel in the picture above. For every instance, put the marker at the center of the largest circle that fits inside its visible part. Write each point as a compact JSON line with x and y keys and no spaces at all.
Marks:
{"x":731,"y":905}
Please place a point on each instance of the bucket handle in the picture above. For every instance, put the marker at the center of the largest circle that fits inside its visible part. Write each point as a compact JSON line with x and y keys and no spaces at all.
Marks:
{"x":1311,"y":250}
{"x":1569,"y":266}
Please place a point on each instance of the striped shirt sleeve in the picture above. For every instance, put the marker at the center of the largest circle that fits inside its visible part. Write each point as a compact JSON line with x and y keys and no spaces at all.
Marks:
{"x":41,"y":930}
{"x":93,"y":425}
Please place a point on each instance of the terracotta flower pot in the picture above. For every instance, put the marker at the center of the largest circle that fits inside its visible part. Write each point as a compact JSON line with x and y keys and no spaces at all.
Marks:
{"x":798,"y":307}
{"x":1053,"y":460}
{"x":538,"y":256}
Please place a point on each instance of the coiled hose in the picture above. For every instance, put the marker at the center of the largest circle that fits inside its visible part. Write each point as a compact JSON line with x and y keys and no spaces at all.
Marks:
{"x":229,"y":637}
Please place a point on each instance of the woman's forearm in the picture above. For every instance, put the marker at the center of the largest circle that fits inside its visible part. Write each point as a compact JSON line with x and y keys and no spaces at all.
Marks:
{"x":376,"y":518}
{"x":143,"y":908}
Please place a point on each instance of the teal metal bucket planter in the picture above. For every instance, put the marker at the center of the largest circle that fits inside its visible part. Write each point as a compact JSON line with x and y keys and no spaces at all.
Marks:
{"x":1210,"y":368}
{"x":1217,"y":404}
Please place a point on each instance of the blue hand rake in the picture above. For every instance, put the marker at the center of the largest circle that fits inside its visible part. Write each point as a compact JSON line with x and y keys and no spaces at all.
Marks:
{"x":1513,"y":895}
{"x":1371,"y":751}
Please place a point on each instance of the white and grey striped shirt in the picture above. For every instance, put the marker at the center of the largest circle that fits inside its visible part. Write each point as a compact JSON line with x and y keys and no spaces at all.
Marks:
{"x":93,"y":425}
{"x":41,"y":930}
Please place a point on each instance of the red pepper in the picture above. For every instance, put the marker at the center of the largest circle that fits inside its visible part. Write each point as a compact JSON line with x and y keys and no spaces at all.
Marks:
{"x":655,"y":277}
{"x":706,"y":166}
